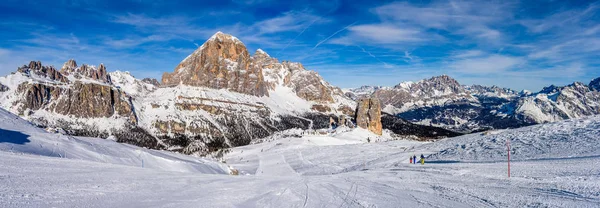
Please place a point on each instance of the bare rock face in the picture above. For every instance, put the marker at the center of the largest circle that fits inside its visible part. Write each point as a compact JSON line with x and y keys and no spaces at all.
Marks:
{"x":368,"y":115}
{"x":75,"y":99}
{"x":49,"y":72}
{"x":151,"y":81}
{"x":222,"y":62}
{"x":308,"y":86}
{"x":99,"y":73}
{"x":3,"y":88}
{"x":81,"y":100}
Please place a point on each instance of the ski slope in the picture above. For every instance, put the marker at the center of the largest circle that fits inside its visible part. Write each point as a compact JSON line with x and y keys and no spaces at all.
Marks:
{"x":20,"y":136}
{"x":556,"y":166}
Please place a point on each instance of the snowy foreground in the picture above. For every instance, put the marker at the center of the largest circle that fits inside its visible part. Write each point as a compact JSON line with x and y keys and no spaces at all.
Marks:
{"x":556,"y":166}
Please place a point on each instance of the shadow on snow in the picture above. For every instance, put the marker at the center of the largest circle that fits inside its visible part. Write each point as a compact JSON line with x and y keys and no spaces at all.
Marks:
{"x":14,"y":137}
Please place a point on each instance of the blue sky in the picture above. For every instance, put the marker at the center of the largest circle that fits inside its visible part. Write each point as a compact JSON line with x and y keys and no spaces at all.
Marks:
{"x":514,"y":44}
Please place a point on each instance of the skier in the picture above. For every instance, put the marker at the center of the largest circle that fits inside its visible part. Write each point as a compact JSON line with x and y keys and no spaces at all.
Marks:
{"x":422,"y":159}
{"x":410,"y":159}
{"x":414,"y":159}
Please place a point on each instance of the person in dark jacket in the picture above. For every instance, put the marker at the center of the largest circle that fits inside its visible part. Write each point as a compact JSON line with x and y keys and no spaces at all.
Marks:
{"x":410,"y":160}
{"x":414,"y":159}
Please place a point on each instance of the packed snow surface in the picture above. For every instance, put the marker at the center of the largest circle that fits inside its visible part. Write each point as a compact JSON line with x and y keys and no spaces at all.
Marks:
{"x":18,"y":136}
{"x":556,"y":165}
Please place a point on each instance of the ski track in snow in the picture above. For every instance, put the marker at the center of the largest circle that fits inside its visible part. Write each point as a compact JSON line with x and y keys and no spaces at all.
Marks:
{"x":557,"y":166}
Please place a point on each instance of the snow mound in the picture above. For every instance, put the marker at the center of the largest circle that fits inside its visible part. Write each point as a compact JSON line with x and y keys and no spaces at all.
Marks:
{"x":20,"y":136}
{"x":577,"y":138}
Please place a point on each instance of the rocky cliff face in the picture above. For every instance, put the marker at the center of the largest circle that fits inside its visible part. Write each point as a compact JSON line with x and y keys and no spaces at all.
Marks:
{"x":222,"y":62}
{"x":368,"y":115}
{"x":82,"y":105}
{"x":35,"y":68}
{"x":151,"y":81}
{"x":442,"y":101}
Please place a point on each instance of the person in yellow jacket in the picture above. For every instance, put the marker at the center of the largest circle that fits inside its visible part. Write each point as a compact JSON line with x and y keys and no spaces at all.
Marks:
{"x":422,"y":159}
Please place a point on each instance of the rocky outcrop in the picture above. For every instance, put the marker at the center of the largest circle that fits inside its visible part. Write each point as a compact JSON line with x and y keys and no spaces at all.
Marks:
{"x":3,"y":88}
{"x":72,"y":102}
{"x":368,"y":115}
{"x":100,"y":74}
{"x":309,"y":86}
{"x":38,"y":69}
{"x":151,"y":81}
{"x":222,"y":62}
{"x":81,"y":100}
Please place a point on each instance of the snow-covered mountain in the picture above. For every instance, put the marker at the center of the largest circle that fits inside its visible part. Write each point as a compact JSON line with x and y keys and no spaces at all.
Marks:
{"x":361,"y":92}
{"x":442,"y":101}
{"x":219,"y":96}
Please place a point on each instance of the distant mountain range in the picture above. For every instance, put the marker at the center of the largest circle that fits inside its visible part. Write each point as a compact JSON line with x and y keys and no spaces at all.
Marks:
{"x":441,"y":101}
{"x":219,"y":96}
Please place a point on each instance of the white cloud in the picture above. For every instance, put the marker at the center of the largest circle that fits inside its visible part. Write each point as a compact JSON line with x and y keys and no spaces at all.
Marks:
{"x":406,"y":23}
{"x":381,"y":33}
{"x":467,"y":54}
{"x":141,"y":20}
{"x":135,"y":41}
{"x":289,"y":21}
{"x":487,"y":65}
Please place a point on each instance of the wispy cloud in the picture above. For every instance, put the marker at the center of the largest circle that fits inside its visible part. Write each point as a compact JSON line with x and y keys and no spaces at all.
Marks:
{"x":382,"y":33}
{"x":330,"y":36}
{"x":289,"y":21}
{"x":492,"y":64}
{"x":402,"y":22}
{"x":467,"y":54}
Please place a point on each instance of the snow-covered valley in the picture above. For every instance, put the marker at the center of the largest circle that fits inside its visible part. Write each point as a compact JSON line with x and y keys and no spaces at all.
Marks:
{"x":556,"y":165}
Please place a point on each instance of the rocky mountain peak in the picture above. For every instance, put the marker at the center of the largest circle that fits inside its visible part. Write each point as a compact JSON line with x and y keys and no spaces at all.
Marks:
{"x":443,"y":80}
{"x":151,"y":81}
{"x":37,"y":68}
{"x":70,"y":65}
{"x":222,"y":62}
{"x":260,"y":52}
{"x":35,"y":65}
{"x":434,"y":86}
{"x":549,"y":89}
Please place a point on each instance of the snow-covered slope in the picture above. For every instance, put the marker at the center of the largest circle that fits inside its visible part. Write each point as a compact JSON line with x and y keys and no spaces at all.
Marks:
{"x":576,"y":138}
{"x":20,"y":136}
{"x":340,"y":169}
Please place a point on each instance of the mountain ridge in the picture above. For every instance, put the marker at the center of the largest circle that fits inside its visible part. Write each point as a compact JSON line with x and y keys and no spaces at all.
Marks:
{"x":441,"y":101}
{"x":219,"y":96}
